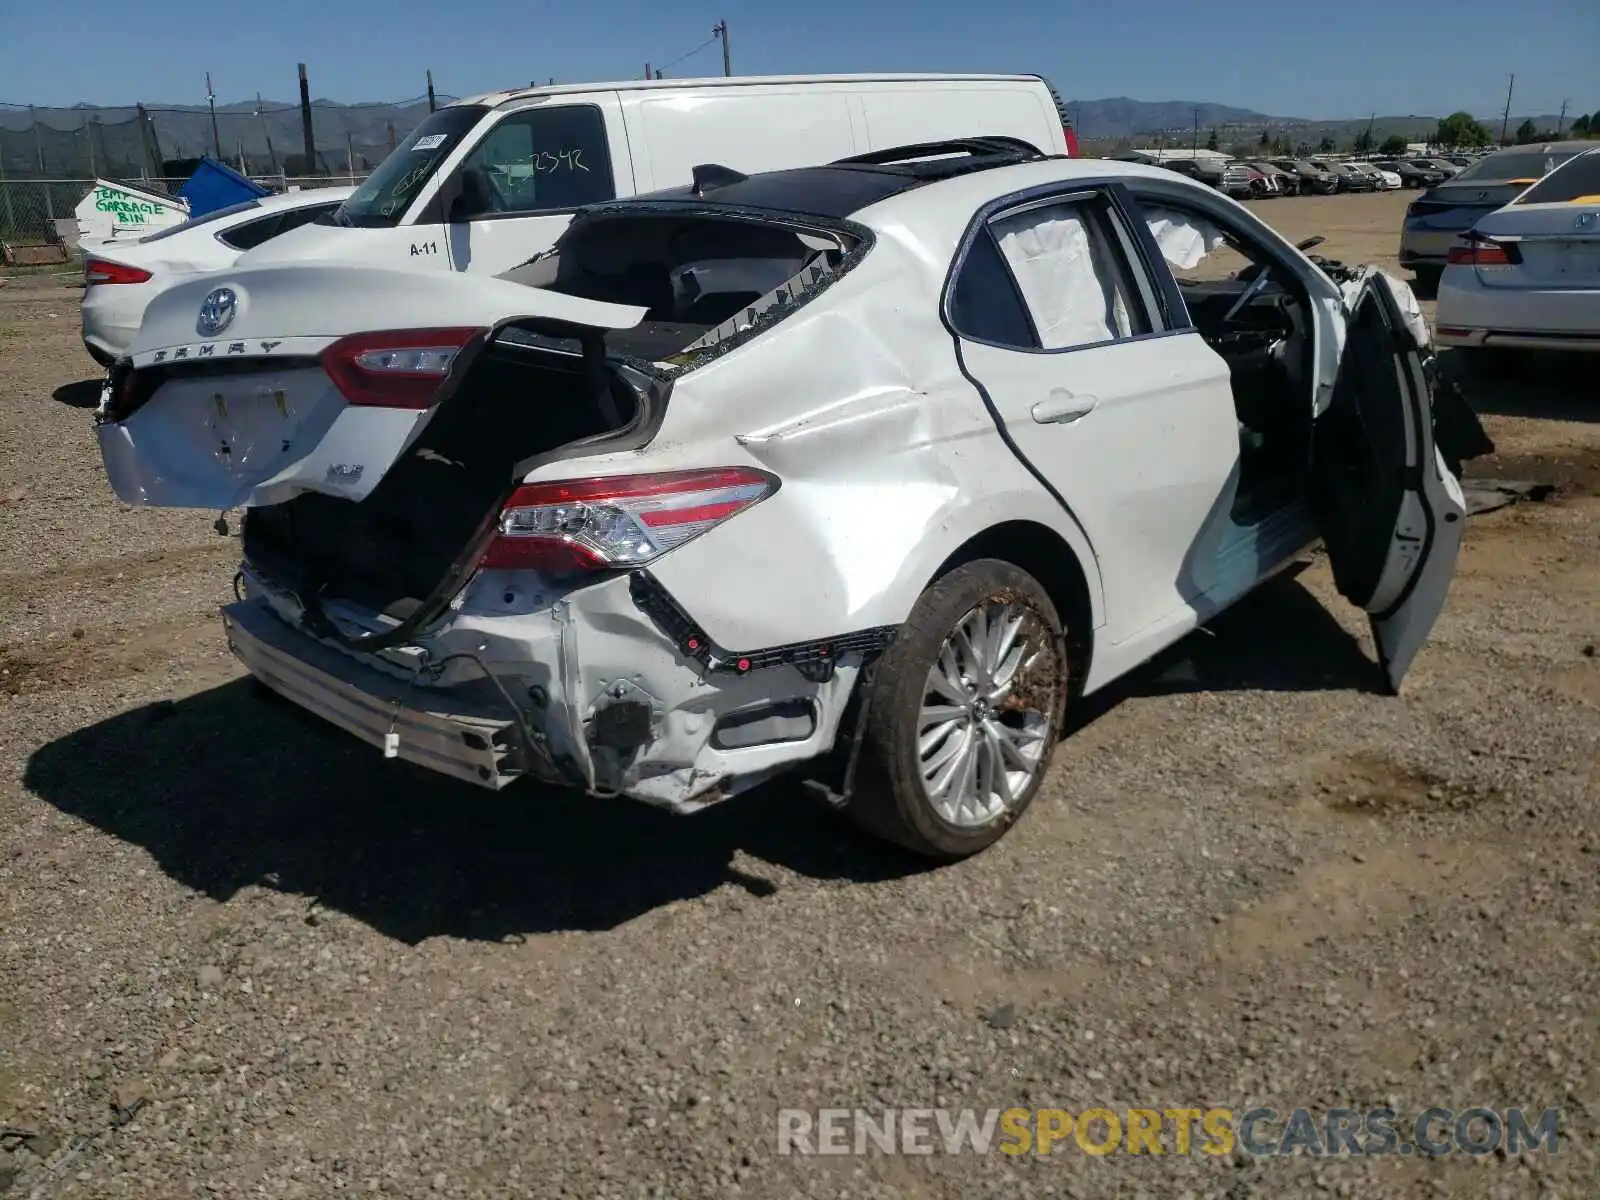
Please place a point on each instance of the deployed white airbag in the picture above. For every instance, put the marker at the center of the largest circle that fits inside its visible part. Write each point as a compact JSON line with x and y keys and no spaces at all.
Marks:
{"x":1068,"y":289}
{"x":1184,"y":240}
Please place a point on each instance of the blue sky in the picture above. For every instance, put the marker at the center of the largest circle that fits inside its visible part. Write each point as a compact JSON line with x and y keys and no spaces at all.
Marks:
{"x":1283,"y":57}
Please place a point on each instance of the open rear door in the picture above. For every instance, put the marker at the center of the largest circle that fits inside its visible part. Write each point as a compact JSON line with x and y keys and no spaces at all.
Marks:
{"x":1389,"y":509}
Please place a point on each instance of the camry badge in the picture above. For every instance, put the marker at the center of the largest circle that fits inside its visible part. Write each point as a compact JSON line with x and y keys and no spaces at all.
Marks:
{"x":216,"y":312}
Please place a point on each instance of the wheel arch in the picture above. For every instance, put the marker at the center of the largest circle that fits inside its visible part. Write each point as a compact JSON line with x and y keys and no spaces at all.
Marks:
{"x":1049,"y":558}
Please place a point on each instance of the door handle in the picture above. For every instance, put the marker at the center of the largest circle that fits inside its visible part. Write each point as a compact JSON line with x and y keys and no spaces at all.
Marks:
{"x":1063,"y":406}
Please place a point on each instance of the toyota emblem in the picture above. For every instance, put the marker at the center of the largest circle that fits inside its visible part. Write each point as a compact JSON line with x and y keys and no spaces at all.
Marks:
{"x":217,"y":312}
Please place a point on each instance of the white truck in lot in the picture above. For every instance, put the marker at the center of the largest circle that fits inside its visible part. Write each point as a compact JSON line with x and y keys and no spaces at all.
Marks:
{"x":485,"y":184}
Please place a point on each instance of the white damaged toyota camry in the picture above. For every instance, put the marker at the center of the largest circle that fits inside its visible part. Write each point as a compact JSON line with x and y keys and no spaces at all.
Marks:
{"x":865,"y":470}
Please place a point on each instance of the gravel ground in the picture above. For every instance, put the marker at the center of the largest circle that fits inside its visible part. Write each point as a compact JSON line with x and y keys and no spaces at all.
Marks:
{"x":240,"y":955}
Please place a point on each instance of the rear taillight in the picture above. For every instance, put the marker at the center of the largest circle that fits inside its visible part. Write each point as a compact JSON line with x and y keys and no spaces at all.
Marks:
{"x":98,"y":270}
{"x":1481,"y":251}
{"x":622,"y":521}
{"x":399,"y":368}
{"x":1072,"y":141}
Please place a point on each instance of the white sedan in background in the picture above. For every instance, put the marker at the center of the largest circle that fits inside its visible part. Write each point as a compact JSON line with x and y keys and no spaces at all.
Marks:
{"x":1388,"y":181}
{"x":122,"y":277}
{"x":1527,"y":276}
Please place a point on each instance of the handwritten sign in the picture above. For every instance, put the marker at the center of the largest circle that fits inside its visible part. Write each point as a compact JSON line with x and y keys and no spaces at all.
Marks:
{"x":126,"y":209}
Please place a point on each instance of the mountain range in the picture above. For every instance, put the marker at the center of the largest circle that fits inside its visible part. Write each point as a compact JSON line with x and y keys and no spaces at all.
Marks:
{"x":269,"y":133}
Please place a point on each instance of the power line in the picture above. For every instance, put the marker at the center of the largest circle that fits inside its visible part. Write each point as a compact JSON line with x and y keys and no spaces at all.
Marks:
{"x":690,"y":54}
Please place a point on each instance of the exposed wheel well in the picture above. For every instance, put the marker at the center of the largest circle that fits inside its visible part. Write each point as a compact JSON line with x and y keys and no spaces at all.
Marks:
{"x":1045,"y":555}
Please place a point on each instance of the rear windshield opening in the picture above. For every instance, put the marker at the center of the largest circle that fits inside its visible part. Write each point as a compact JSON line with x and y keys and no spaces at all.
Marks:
{"x":703,"y":279}
{"x":1580,"y":177}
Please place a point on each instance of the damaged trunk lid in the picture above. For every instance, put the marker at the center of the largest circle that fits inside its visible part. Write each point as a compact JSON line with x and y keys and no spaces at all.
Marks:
{"x":249,"y":387}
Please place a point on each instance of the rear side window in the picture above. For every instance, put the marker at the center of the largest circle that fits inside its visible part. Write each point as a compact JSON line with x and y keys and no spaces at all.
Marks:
{"x":252,"y":233}
{"x":541,"y":160}
{"x":231,"y":211}
{"x":1578,"y":178}
{"x":985,"y":303}
{"x":1076,"y":288}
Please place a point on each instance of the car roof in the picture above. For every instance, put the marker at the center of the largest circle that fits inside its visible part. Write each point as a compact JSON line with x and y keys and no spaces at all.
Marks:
{"x":494,"y":99}
{"x":1568,"y":147}
{"x":937,"y":204}
{"x":304,"y":196}
{"x":838,"y":189}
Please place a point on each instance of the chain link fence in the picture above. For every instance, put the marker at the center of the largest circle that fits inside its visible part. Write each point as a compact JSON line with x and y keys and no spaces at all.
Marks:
{"x":49,"y":157}
{"x":34,"y":211}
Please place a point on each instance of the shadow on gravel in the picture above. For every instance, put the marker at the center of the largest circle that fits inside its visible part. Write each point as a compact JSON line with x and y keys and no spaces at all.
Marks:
{"x":231,"y":788}
{"x":1279,"y":639}
{"x":1544,"y":386}
{"x":83,"y":394}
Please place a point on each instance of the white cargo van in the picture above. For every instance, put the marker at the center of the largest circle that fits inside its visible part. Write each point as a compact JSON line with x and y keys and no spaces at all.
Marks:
{"x":484,"y":184}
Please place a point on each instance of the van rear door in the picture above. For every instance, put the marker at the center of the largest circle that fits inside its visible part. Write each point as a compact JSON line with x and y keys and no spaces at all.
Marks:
{"x":910,"y":113}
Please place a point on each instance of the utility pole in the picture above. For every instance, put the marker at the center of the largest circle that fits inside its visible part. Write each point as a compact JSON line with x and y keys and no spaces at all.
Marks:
{"x":216,"y":138}
{"x":266,"y":133}
{"x":38,"y":140}
{"x":152,"y":157}
{"x":720,"y":30}
{"x":1505,"y":121}
{"x":432,"y":104}
{"x":305,"y":122}
{"x":647,"y":74}
{"x":1194,"y":148}
{"x":1561,"y":121}
{"x":659,"y":75}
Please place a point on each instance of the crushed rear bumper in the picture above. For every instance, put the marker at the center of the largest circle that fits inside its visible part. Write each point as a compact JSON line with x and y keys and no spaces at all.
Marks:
{"x":455,"y":732}
{"x":609,"y":689}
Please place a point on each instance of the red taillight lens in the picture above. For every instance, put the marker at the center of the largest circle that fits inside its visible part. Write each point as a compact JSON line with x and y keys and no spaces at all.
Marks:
{"x":99,"y":270}
{"x":618,"y":522}
{"x":1484,"y":252}
{"x":1072,"y":141}
{"x":399,"y":368}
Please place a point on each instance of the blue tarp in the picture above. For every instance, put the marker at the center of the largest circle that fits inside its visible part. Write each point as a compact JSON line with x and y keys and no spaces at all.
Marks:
{"x":216,"y":185}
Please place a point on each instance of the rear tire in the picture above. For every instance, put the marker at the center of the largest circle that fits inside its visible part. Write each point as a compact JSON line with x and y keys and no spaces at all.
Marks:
{"x":965,"y":707}
{"x":1493,"y":362}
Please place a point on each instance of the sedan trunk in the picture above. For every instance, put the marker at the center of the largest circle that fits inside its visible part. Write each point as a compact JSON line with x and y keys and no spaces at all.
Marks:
{"x":415,"y":532}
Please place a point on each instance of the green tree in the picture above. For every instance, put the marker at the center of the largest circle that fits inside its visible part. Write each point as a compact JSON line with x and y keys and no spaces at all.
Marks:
{"x":1392,"y":145}
{"x":1266,"y":140}
{"x":1364,"y":142}
{"x":1527,"y":132}
{"x":1459,"y":129}
{"x":1327,"y":145}
{"x":1581,"y":126}
{"x":1211,"y":141}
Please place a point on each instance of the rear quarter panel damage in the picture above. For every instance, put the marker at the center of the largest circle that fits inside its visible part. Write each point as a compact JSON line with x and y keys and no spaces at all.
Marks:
{"x":888,"y":459}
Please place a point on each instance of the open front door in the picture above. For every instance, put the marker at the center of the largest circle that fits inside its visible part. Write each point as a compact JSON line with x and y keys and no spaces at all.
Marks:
{"x":1389,"y":509}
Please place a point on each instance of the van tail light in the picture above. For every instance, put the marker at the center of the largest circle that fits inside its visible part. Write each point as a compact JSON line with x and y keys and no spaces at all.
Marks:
{"x":100,"y":270}
{"x":398,"y":368}
{"x":618,"y":522}
{"x":1480,"y":250}
{"x":1072,"y":140}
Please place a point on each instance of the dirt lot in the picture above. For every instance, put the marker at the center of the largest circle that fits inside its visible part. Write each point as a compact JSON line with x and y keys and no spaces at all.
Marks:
{"x":240,"y":955}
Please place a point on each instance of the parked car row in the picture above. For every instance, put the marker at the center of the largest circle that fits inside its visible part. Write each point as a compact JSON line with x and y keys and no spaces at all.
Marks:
{"x":819,"y":469}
